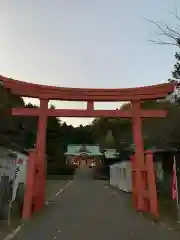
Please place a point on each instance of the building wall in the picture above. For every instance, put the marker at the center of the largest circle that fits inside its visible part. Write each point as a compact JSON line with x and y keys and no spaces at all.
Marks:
{"x":121,"y":176}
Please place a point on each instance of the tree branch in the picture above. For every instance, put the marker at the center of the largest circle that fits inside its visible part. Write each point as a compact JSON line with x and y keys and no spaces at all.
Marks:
{"x":167,"y":32}
{"x":175,"y":14}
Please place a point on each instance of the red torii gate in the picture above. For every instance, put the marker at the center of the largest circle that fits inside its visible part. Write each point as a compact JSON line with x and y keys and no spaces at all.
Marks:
{"x":143,"y":170}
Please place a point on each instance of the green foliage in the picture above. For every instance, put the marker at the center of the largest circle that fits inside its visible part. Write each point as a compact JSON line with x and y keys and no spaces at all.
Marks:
{"x":109,"y":140}
{"x":176,"y":71}
{"x":20,"y":132}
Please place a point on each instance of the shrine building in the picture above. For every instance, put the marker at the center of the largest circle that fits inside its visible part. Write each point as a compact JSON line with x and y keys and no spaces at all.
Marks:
{"x":83,"y":154}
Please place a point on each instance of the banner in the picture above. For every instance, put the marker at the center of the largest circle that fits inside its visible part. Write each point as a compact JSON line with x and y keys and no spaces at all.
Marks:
{"x":174,"y":182}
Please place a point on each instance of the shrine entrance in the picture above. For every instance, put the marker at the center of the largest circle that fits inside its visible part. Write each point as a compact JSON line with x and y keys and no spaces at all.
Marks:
{"x":82,"y":161}
{"x":144,"y":185}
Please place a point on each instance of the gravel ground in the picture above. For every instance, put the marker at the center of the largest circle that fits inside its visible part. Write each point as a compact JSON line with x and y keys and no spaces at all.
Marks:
{"x":89,"y":209}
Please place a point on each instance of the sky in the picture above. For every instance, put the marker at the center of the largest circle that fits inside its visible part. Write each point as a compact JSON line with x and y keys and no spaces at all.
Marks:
{"x":85,"y":43}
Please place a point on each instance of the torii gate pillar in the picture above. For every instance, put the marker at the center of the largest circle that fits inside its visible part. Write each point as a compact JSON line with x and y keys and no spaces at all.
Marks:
{"x":40,"y":157}
{"x":139,"y":152}
{"x":143,"y":176}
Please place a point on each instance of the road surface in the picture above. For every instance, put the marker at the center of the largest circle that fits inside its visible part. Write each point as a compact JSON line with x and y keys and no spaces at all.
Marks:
{"x":89,"y":210}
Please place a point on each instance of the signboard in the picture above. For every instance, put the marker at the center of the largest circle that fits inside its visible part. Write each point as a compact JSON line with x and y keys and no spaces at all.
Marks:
{"x":19,"y":161}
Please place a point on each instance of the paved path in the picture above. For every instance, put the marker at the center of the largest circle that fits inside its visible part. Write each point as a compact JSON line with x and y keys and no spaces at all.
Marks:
{"x":88,"y":210}
{"x":84,"y":173}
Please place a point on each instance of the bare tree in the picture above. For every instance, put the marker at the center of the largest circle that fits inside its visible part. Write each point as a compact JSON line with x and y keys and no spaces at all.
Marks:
{"x":167,"y":35}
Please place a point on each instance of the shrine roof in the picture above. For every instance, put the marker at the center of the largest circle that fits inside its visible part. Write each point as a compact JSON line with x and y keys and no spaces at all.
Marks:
{"x":83,"y":149}
{"x":111,"y":153}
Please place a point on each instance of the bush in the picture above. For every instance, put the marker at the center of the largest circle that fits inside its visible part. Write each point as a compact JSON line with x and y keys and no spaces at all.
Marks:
{"x":57,"y":169}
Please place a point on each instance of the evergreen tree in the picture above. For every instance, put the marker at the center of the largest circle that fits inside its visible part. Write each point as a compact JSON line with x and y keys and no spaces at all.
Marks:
{"x":176,"y":72}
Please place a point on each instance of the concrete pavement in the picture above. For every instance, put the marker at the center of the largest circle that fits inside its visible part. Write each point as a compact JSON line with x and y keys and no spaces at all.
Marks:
{"x":88,"y":210}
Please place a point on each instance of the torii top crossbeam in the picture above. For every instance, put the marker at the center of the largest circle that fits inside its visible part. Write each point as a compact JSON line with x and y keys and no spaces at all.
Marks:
{"x":86,"y":94}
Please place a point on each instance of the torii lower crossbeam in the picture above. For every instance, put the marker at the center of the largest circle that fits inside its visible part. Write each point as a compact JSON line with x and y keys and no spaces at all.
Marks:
{"x":87,"y":113}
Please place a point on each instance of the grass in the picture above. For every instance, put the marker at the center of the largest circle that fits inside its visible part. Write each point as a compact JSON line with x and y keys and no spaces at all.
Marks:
{"x":168,"y":211}
{"x":167,"y":208}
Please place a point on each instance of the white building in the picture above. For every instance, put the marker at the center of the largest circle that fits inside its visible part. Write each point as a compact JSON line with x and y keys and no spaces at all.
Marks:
{"x":121,"y":176}
{"x":121,"y":173}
